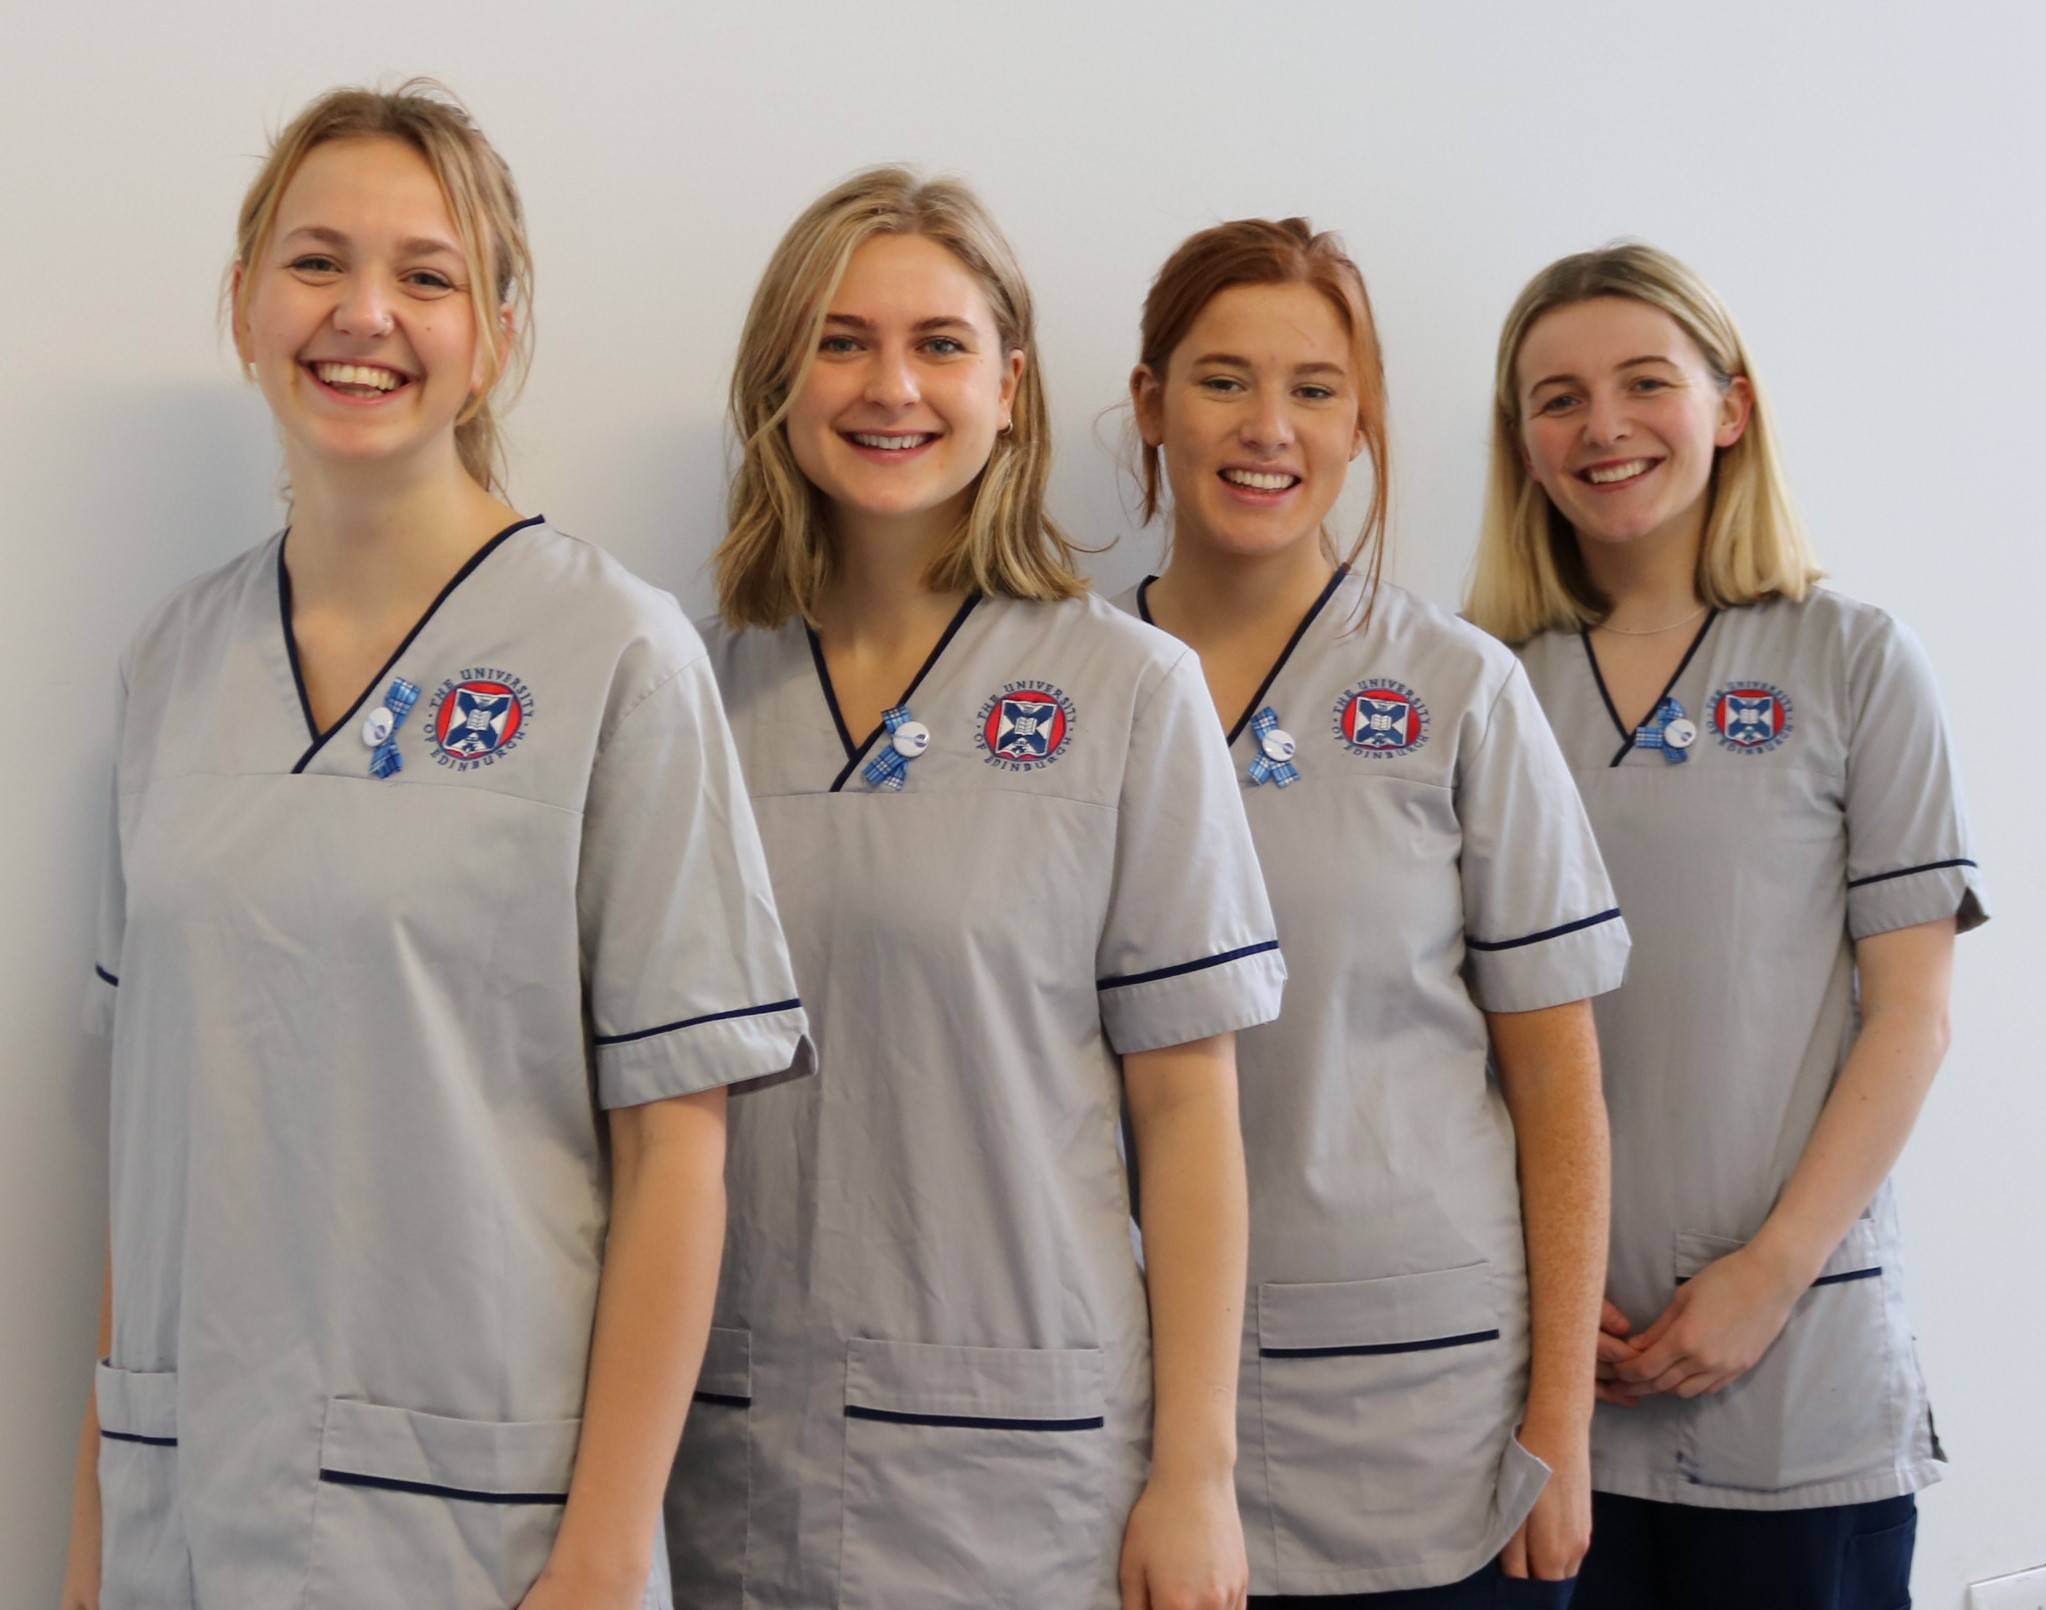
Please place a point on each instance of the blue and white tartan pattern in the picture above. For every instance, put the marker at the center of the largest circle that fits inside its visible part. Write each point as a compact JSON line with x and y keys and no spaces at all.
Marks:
{"x":890,"y":768}
{"x":386,"y":761}
{"x":1649,"y":734}
{"x":1264,"y":768}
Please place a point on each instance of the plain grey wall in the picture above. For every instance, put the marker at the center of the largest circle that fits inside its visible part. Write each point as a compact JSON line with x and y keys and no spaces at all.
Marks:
{"x":1860,"y":179}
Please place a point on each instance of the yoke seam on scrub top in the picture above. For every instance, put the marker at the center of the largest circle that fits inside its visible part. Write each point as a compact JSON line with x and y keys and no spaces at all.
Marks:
{"x":954,"y":793}
{"x":639,"y":704}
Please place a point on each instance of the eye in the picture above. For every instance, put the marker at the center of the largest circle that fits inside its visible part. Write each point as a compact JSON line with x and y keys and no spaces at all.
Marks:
{"x":838,"y":345}
{"x":945,"y":346}
{"x":1555,"y":403}
{"x":1650,"y":383}
{"x":1221,"y":384}
{"x":314,"y":263}
{"x":1315,"y":393}
{"x":430,"y":280}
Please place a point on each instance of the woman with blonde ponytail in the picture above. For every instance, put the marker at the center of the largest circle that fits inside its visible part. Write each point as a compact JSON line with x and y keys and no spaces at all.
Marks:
{"x":422,"y":1021}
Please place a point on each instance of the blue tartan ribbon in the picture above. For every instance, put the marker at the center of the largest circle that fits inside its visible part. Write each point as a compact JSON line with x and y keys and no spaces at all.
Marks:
{"x":386,"y":761}
{"x":1265,"y":769}
{"x":890,"y":768}
{"x":1649,"y":734}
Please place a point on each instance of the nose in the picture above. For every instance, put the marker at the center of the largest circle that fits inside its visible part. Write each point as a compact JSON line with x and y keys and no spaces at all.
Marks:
{"x":891,"y":380}
{"x":364,"y":308}
{"x":1267,"y":426}
{"x":1605,"y":420}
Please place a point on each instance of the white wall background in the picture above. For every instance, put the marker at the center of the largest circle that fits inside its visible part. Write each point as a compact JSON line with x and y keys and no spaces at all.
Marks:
{"x":1861,"y":180}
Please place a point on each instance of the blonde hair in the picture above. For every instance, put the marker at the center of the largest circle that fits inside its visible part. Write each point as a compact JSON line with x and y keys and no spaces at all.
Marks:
{"x":1530,"y":575}
{"x":490,"y":227}
{"x":776,"y":556}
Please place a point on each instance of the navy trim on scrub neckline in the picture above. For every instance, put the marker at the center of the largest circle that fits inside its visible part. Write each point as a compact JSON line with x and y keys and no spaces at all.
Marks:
{"x":1123,"y":981}
{"x":692,"y":1022}
{"x":1598,"y":676}
{"x":973,"y":1422}
{"x":105,"y":976}
{"x":147,"y":1442}
{"x":1901,"y":872}
{"x":305,"y":703}
{"x":350,"y":1478}
{"x":1608,"y":915}
{"x":1313,"y":611}
{"x":1373,"y":1349}
{"x":855,"y":756}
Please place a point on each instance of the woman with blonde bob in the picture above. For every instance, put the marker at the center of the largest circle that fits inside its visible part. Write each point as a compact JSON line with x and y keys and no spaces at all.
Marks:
{"x":1767,"y":767}
{"x":1423,"y":1124}
{"x":1020,"y":894}
{"x":422,"y":1024}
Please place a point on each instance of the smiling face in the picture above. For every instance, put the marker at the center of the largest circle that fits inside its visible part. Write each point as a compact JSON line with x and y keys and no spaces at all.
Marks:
{"x":1256,"y":417}
{"x":1622,"y":419}
{"x":359,"y":321}
{"x":909,"y":386}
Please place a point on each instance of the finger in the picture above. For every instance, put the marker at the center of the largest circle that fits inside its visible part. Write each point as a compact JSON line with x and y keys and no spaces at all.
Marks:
{"x":1659,"y":1326}
{"x":1513,"y":1557}
{"x":1131,"y":1581}
{"x":1611,"y":1349}
{"x":1612,"y":1321}
{"x":1625,"y":1399}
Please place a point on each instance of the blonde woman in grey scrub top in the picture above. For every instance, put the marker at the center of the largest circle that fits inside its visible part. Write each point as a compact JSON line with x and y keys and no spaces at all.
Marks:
{"x":435,"y":932}
{"x":1767,"y":767}
{"x":1426,"y":1141}
{"x":1019,"y":888}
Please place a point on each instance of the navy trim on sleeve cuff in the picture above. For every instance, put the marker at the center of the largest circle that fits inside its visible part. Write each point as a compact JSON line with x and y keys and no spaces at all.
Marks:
{"x":350,"y":1478}
{"x":1125,"y":980}
{"x":692,"y":1022}
{"x":105,"y":976}
{"x":974,"y":1422}
{"x":1905,"y":872}
{"x":147,"y":1442}
{"x":1547,"y":933}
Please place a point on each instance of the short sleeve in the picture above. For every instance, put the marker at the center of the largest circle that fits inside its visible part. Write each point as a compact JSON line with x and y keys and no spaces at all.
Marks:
{"x":102,"y":987}
{"x":1908,"y":858}
{"x":1189,"y":947}
{"x":1541,"y":926}
{"x":685,"y":969}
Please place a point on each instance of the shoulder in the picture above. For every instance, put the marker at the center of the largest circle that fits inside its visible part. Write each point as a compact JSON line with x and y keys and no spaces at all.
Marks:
{"x":592,"y":594}
{"x":1441,"y":645}
{"x":1088,"y":642}
{"x":198,"y":612}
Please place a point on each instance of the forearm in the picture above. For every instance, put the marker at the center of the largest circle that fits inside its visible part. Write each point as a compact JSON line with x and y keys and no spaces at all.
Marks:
{"x":1549,"y":1072}
{"x":1196,"y":1233}
{"x":653,"y":1315}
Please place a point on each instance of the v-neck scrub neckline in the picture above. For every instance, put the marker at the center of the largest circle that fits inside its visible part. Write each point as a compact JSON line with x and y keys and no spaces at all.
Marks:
{"x":1335,"y":583}
{"x":854,"y":754}
{"x":1629,"y":737}
{"x":305,"y":704}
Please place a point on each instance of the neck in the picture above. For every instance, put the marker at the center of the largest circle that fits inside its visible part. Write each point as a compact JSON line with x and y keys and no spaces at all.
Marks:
{"x":366,"y":539}
{"x":1652,"y":581}
{"x":1208,"y":596}
{"x":878,"y":590}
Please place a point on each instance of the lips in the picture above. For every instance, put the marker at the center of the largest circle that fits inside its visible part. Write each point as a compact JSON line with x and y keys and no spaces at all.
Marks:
{"x":358,"y":382}
{"x":1616,"y":472}
{"x":890,"y":441}
{"x":1261,"y":480}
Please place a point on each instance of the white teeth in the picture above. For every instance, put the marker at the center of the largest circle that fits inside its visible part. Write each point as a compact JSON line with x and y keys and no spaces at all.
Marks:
{"x":1606,"y":474}
{"x":892,"y":444}
{"x":356,"y":374}
{"x":1258,"y":482}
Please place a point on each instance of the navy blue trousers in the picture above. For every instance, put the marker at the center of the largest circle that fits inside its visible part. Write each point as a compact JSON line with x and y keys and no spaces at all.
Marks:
{"x":1650,"y":1556}
{"x":1490,"y":1589}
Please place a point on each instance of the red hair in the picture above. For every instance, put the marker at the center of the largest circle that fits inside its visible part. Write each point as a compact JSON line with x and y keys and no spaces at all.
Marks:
{"x":1257,"y":251}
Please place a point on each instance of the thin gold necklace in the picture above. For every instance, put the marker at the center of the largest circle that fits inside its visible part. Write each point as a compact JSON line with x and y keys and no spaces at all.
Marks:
{"x":1650,"y":631}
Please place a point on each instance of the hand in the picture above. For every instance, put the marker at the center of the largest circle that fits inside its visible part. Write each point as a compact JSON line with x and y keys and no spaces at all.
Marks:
{"x":81,"y":1560}
{"x":1615,"y":1347}
{"x":1183,"y":1547}
{"x":565,"y":1586}
{"x":1719,"y":1323}
{"x":1555,"y":1537}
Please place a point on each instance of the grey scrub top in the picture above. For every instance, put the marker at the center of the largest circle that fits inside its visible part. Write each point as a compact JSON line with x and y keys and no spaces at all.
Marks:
{"x":1429,"y":863}
{"x":929,"y":1381}
{"x":1817,"y":804}
{"x":363,"y":1032}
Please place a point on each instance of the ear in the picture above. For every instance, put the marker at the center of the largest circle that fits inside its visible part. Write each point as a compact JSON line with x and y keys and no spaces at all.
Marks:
{"x":243,"y":348}
{"x":1736,"y":408}
{"x":1147,"y":401}
{"x":1012,"y":379}
{"x":480,"y":378}
{"x":1357,"y":441}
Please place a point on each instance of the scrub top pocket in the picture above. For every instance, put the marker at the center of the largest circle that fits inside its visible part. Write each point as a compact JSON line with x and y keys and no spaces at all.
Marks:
{"x":976,"y":1478}
{"x":421,"y":1509}
{"x":144,"y":1562}
{"x":710,"y":1496}
{"x":1380,"y":1396}
{"x":1818,"y":1406}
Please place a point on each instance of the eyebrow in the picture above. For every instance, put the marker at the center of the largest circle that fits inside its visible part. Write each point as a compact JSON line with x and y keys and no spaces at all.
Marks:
{"x":1572,"y":380}
{"x":1230,"y":359}
{"x":416,"y":246}
{"x":852,"y":321}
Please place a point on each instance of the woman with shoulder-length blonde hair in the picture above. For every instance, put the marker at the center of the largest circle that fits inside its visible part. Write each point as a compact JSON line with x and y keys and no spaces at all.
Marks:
{"x":1423,"y":1126}
{"x":1020,"y":895}
{"x":1767,"y":767}
{"x":422,"y":1023}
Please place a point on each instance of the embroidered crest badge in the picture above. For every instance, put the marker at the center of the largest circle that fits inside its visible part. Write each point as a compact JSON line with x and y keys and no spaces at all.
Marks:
{"x":1026,"y":726}
{"x":1750,"y":718}
{"x":1380,"y":719}
{"x":479,"y":717}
